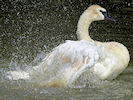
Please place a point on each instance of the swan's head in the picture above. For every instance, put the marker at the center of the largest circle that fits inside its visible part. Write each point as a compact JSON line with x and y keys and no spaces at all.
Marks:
{"x":97,"y":12}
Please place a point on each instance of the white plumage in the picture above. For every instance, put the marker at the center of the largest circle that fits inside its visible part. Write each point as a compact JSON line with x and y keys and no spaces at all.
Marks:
{"x":76,"y":51}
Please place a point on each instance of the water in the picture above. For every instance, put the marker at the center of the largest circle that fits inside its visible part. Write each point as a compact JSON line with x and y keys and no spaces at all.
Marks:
{"x":29,"y":30}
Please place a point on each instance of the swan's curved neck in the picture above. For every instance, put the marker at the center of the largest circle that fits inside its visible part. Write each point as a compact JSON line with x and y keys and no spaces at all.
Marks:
{"x":83,"y":25}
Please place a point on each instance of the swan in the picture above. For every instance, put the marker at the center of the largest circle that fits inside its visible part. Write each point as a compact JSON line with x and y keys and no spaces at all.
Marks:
{"x":69,"y":60}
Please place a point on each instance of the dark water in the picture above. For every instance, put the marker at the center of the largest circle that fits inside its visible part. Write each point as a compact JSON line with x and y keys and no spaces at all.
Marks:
{"x":30,"y":29}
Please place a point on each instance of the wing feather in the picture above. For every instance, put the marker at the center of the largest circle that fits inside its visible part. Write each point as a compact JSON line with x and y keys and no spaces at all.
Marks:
{"x":78,"y":53}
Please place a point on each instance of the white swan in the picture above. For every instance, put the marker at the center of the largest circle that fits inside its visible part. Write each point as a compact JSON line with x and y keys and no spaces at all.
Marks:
{"x":69,"y":60}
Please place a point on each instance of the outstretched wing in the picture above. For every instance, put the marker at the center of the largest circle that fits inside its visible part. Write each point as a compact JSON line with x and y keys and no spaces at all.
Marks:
{"x":70,"y":59}
{"x":76,"y":54}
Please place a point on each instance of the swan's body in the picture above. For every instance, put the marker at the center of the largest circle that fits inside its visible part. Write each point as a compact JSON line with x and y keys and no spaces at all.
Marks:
{"x":67,"y":61}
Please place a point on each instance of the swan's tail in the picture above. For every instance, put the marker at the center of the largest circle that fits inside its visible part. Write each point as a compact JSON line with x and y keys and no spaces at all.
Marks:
{"x":16,"y":75}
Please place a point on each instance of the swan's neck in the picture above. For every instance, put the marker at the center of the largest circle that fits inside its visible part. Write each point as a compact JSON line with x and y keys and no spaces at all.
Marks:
{"x":83,"y":25}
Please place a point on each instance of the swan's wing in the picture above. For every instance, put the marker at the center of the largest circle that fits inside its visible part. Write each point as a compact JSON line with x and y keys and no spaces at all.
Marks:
{"x":76,"y":53}
{"x":68,"y":60}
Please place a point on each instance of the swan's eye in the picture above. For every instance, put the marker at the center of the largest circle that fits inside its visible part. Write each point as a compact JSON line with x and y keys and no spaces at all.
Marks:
{"x":103,"y":12}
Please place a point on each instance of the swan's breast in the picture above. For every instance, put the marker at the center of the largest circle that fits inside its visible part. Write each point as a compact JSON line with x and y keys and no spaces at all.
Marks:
{"x":115,"y":59}
{"x":119,"y":51}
